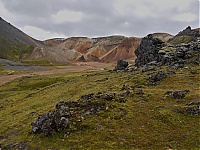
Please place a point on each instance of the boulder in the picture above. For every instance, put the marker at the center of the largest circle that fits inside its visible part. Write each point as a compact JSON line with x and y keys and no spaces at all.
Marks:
{"x":53,"y":121}
{"x":121,"y":65}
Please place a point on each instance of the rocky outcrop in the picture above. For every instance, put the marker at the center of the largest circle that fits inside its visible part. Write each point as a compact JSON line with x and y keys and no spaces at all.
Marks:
{"x":69,"y":115}
{"x":189,"y":32}
{"x":154,"y":51}
{"x":148,"y":50}
{"x":181,"y":54}
{"x":66,"y":114}
{"x":184,"y":37}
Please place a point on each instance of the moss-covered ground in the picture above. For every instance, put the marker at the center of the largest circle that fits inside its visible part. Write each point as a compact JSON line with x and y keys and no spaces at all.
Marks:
{"x":144,"y":121}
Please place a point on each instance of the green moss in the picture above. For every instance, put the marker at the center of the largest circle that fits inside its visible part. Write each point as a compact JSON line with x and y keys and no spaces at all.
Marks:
{"x":181,"y":39}
{"x":168,"y":49}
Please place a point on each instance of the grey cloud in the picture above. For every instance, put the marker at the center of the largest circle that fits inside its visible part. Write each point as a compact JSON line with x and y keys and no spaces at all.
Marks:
{"x":100,"y":17}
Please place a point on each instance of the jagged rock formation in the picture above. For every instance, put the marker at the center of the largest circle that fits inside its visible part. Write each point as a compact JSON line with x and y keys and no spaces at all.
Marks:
{"x":189,"y":32}
{"x":154,"y":51}
{"x":148,"y":50}
{"x":185,"y":36}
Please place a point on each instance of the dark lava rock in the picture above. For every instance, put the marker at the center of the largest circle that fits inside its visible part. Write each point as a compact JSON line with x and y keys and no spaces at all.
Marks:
{"x":152,"y":49}
{"x":109,"y":97}
{"x":193,"y":108}
{"x":148,"y":50}
{"x":71,"y":113}
{"x":65,"y":113}
{"x":139,"y":92}
{"x":121,"y":65}
{"x":177,"y":94}
{"x":53,"y":121}
{"x":189,"y":32}
{"x":157,"y":76}
{"x":88,"y":96}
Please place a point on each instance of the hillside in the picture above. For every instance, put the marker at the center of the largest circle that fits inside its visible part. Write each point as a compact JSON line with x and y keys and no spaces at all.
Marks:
{"x":152,"y":104}
{"x":185,"y":36}
{"x":102,"y":49}
{"x":14,"y":44}
{"x":73,"y":49}
{"x":146,"y":117}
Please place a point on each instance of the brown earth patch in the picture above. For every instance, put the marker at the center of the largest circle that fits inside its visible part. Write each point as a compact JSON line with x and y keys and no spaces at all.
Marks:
{"x":79,"y":67}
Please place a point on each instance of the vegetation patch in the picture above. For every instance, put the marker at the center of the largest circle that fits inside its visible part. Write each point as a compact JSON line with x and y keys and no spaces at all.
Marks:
{"x":121,"y":112}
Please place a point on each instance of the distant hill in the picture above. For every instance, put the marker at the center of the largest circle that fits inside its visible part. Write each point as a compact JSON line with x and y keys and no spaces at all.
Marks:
{"x":185,"y":36}
{"x":101,"y":49}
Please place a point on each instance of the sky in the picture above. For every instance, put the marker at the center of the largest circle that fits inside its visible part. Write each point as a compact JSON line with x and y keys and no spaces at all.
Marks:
{"x":45,"y":19}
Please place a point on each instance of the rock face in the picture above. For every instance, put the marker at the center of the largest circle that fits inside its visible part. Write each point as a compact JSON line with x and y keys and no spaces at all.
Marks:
{"x":152,"y":50}
{"x":189,"y":32}
{"x":148,"y":50}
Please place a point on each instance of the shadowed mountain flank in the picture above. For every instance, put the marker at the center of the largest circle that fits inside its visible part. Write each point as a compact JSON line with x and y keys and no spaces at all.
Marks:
{"x":14,"y":44}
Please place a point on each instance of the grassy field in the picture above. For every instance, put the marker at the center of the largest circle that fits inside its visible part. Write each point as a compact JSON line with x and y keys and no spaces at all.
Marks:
{"x":147,"y":120}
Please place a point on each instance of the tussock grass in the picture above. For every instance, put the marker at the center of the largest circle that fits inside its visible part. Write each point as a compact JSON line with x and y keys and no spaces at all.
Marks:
{"x":144,"y":121}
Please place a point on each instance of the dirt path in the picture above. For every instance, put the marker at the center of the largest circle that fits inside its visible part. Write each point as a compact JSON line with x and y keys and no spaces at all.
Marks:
{"x":79,"y":67}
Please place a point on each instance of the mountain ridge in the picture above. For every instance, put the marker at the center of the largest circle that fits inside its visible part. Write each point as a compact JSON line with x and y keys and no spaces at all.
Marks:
{"x":17,"y":45}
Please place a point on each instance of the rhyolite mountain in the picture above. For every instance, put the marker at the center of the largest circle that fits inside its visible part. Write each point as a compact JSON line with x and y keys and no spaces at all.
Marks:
{"x":16,"y":45}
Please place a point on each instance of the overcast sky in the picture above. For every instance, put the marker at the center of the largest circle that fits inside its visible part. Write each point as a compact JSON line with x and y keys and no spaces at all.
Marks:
{"x":44,"y":19}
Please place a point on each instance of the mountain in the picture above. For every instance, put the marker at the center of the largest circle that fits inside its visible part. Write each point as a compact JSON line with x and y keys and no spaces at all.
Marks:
{"x":126,"y":49}
{"x":185,"y":36}
{"x":101,"y":49}
{"x":14,"y":44}
{"x":18,"y":46}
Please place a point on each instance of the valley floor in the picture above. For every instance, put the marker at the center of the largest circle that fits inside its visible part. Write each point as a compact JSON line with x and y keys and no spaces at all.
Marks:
{"x":78,"y":67}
